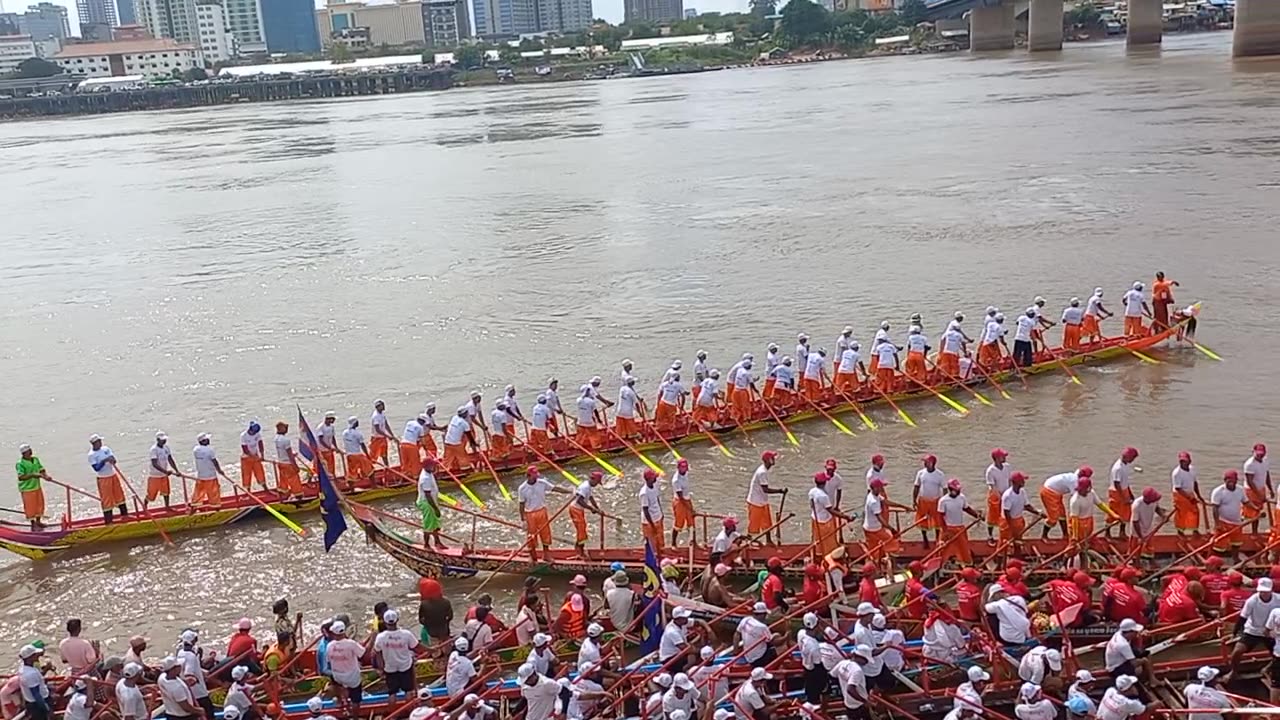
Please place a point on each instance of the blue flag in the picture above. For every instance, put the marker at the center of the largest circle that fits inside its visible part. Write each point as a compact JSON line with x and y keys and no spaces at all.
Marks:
{"x":334,"y":522}
{"x":651,"y":623}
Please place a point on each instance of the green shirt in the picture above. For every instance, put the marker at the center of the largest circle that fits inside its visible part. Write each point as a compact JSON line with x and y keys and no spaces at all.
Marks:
{"x":29,"y":467}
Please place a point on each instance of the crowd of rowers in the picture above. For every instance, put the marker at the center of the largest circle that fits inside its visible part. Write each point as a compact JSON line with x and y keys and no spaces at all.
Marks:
{"x":700,"y":672}
{"x":471,"y":442}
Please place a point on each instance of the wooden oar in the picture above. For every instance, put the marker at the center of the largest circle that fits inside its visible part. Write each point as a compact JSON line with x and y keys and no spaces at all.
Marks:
{"x":643,"y":458}
{"x":494,"y":573}
{"x":609,"y":468}
{"x":839,"y":425}
{"x":1207,"y":352}
{"x":714,"y":440}
{"x":274,"y":512}
{"x":946,"y":400}
{"x":654,"y":429}
{"x":905,"y":417}
{"x":1166,"y":644}
{"x":75,"y":489}
{"x":1129,"y":556}
{"x":146,"y":512}
{"x":443,"y":496}
{"x":547,"y":459}
{"x":1066,"y":368}
{"x":506,"y":494}
{"x":995,"y":383}
{"x":856,"y":407}
{"x":956,"y":381}
{"x":1161,"y":571}
{"x":1142,"y":356}
{"x":786,"y":430}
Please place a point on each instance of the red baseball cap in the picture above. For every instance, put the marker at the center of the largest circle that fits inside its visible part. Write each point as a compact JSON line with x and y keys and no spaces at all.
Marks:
{"x":1130,"y":452}
{"x":953,"y":484}
{"x":1084,"y":471}
{"x":769,"y":455}
{"x":1013,"y":572}
{"x":1151,"y":495}
{"x":868,"y":568}
{"x":1192,"y":573}
{"x":596,"y":475}
{"x":1260,"y":448}
{"x":682,"y":464}
{"x":876,"y":483}
{"x":1083,"y":483}
{"x":999,"y":453}
{"x":775,"y":562}
{"x":1213,"y":561}
{"x":930,"y":458}
{"x":970,"y":573}
{"x":1230,"y":475}
{"x":830,"y":464}
{"x":1018,"y":476}
{"x":1128,"y":574}
{"x":1184,"y":455}
{"x":1083,"y":578}
{"x":820,"y":477}
{"x":877,"y":459}
{"x":531,"y":471}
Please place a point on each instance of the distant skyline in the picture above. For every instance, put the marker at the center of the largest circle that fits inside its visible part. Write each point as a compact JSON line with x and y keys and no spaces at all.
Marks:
{"x":610,"y":10}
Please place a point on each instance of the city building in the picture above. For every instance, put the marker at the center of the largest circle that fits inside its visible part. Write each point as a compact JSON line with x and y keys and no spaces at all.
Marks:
{"x":13,"y":50}
{"x":398,"y":23}
{"x":131,"y":32}
{"x":9,"y":24}
{"x":125,"y":12}
{"x":217,"y":44}
{"x":652,"y":11}
{"x":446,"y":23}
{"x":244,"y":18}
{"x":95,"y":32}
{"x":45,"y":21}
{"x":504,"y":17}
{"x":690,"y":13}
{"x":563,"y":16}
{"x":172,"y":19}
{"x":151,"y":58}
{"x":98,"y":11}
{"x":289,"y":26}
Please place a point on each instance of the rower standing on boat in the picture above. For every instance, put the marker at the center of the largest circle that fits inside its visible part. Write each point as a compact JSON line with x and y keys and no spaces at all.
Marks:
{"x":925,"y":493}
{"x":1072,"y":318}
{"x":1042,"y":323}
{"x":1053,"y":495}
{"x":1161,"y":301}
{"x":917,"y":349}
{"x":759,"y":512}
{"x":997,"y":479}
{"x":823,"y":513}
{"x":702,"y":371}
{"x":815,"y":374}
{"x":411,"y":446}
{"x":326,"y":436}
{"x":553,"y":405}
{"x":1256,"y":612}
{"x":989,"y":354}
{"x":288,"y":480}
{"x":1013,"y":509}
{"x":629,"y":402}
{"x":543,"y":419}
{"x":251,"y":457}
{"x":1228,"y":501}
{"x":1135,"y":306}
{"x":784,"y":382}
{"x":802,"y":350}
{"x":706,"y":405}
{"x":846,"y":379}
{"x":835,"y":483}
{"x":743,"y":387}
{"x":533,"y":508}
{"x":1144,"y":511}
{"x":1023,"y":354}
{"x":682,"y":512}
{"x":428,"y":442}
{"x":651,"y":517}
{"x":503,"y":432}
{"x":887,"y":366}
{"x":429,"y":503}
{"x":881,"y":336}
{"x":1258,"y":488}
{"x":160,"y":466}
{"x":954,"y":344}
{"x":671,"y":397}
{"x":208,"y":469}
{"x":30,"y":472}
{"x":1120,"y":493}
{"x":1095,"y":312}
{"x":952,"y":507}
{"x":359,"y":466}
{"x":383,"y":438}
{"x":589,"y":424}
{"x":110,"y":492}
{"x":584,"y":501}
{"x":880,"y":540}
{"x":1186,"y":496}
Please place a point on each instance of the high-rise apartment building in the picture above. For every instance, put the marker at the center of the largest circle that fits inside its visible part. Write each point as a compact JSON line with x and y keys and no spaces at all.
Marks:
{"x":125,"y":12}
{"x":290,"y":26}
{"x":244,"y":19}
{"x":97,"y":11}
{"x":563,"y":16}
{"x":519,"y":17}
{"x":216,"y":41}
{"x":173,"y":19}
{"x":652,"y":10}
{"x":445,"y":22}
{"x":44,"y":21}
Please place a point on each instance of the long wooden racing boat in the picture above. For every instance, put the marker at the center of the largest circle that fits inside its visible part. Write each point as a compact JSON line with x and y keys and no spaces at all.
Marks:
{"x":462,"y":561}
{"x":92,"y":532}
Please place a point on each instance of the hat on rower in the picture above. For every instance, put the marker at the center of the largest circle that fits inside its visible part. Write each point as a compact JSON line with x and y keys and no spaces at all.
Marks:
{"x":168,"y":663}
{"x":999,"y":453}
{"x":663,"y":680}
{"x":524,"y":671}
{"x":231,"y":712}
{"x":867,"y":569}
{"x":1124,"y":682}
{"x":595,"y":630}
{"x":730,"y":522}
{"x":810,"y":620}
{"x":239,"y":672}
{"x":1264,"y":585}
{"x":1260,"y":449}
{"x":1084,"y":676}
{"x":338,"y":627}
{"x":353,"y":420}
{"x":866,"y":608}
{"x":540,"y":639}
{"x":1054,"y":658}
{"x":132,"y":670}
{"x":758,"y":674}
{"x":188,"y":637}
{"x":721,"y":570}
{"x":707,"y":652}
{"x":862,"y":651}
{"x":1184,"y":455}
{"x":769,"y":455}
{"x":970,"y":574}
{"x":682,"y":681}
{"x":1207,"y":674}
{"x":1130,"y":625}
{"x":930,"y":458}
{"x":1150,"y":495}
{"x":977,"y":674}
{"x":1192,"y":573}
{"x":1018,"y":477}
{"x":1129,"y":574}
{"x":877,"y":459}
{"x":684,"y":612}
{"x":244,"y":623}
{"x":953,"y":484}
{"x":878,"y":621}
{"x":1213,"y":561}
{"x":29,"y":651}
{"x":461,"y":643}
{"x":723,"y":714}
{"x":1078,"y":705}
{"x":759,"y":609}
{"x":1083,"y":579}
{"x":1230,"y":475}
{"x":1028,"y":690}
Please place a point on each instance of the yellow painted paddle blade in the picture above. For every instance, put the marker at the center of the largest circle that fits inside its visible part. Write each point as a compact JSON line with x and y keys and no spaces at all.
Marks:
{"x":866,"y":421}
{"x":842,"y":427}
{"x":609,"y":468}
{"x":287,"y":522}
{"x":792,"y":439}
{"x":676,"y":453}
{"x":652,"y":465}
{"x":506,"y":494}
{"x":725,"y":451}
{"x":570,"y":477}
{"x":1146,"y":358}
{"x":1076,"y":380}
{"x":1005,"y":395}
{"x":906,"y":418}
{"x":983,"y":399}
{"x":1208,"y":353}
{"x":472,"y":496}
{"x":958,"y":407}
{"x":447,"y":498}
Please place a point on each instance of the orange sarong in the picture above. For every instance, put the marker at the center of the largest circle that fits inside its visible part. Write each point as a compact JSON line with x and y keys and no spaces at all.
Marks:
{"x":696,"y":390}
{"x":251,"y":469}
{"x":328,"y":457}
{"x":410,"y":459}
{"x":704,"y":414}
{"x":915,"y":364}
{"x":1133,"y":326}
{"x":927,"y":513}
{"x":654,"y":533}
{"x":1186,"y":512}
{"x":665,"y":413}
{"x":1228,"y":536}
{"x":1010,"y":529}
{"x":759,"y":518}
{"x":538,"y":526}
{"x":110,"y":492}
{"x":157,"y":486}
{"x":33,"y":504}
{"x":207,"y":493}
{"x":287,"y":480}
{"x":1090,"y":327}
{"x":1055,"y":506}
{"x":881,"y":543}
{"x":358,"y":467}
{"x":989,"y":354}
{"x":994,"y":511}
{"x":811,"y":388}
{"x":626,"y":427}
{"x":1079,"y":528}
{"x":539,"y":440}
{"x":741,"y":403}
{"x":769,"y":384}
{"x":683,"y":512}
{"x":884,"y":378}
{"x":579,"y":518}
{"x":846,"y":382}
{"x":956,"y":545}
{"x":824,"y":536}
{"x":455,"y":457}
{"x":1121,"y":504}
{"x":1254,"y":511}
{"x":378,"y":449}
{"x":1071,"y":337}
{"x":949,"y":363}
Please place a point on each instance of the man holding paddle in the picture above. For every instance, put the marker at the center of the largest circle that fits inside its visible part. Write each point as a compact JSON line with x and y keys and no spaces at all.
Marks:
{"x":759,"y":512}
{"x":30,"y":473}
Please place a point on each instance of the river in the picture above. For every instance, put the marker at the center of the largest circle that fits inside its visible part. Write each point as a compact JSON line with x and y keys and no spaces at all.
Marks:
{"x":190,"y":270}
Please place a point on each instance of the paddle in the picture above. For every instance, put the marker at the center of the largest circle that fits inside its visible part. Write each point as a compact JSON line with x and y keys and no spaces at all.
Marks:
{"x":905,"y":417}
{"x":857,"y":408}
{"x":712,"y":437}
{"x":839,"y":425}
{"x":790,"y":438}
{"x":547,"y":459}
{"x":1161,"y":571}
{"x":956,"y":381}
{"x":946,"y":400}
{"x":654,"y":430}
{"x":506,"y":494}
{"x":531,"y":538}
{"x":1166,"y":644}
{"x":443,"y":496}
{"x":1207,"y":352}
{"x":643,"y":458}
{"x":1129,"y":556}
{"x":15,"y":512}
{"x":147,"y":512}
{"x":599,"y":460}
{"x":1065,"y":367}
{"x":995,"y":383}
{"x":274,"y":512}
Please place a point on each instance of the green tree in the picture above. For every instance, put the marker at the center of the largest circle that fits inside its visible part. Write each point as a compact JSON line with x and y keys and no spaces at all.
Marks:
{"x":339,"y":53}
{"x":805,"y":22}
{"x":1083,"y":15}
{"x":469,"y":57}
{"x":643,"y":30}
{"x":763,"y":8}
{"x":194,"y":74}
{"x":509,"y":55}
{"x":37,"y":68}
{"x":913,"y":12}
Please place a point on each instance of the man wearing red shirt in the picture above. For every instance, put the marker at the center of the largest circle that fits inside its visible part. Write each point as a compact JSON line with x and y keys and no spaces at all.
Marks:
{"x":1176,"y":603}
{"x":773,"y":592}
{"x":243,"y":648}
{"x":867,"y":590}
{"x":1121,"y":599}
{"x":1064,"y":594}
{"x":1214,"y":581}
{"x":1234,"y":596}
{"x":969,"y":595}
{"x":915,"y":592}
{"x":1011,"y":581}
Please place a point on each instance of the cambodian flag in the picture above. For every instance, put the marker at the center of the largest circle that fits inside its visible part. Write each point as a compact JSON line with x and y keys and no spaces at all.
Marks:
{"x":651,"y":624}
{"x":334,"y":522}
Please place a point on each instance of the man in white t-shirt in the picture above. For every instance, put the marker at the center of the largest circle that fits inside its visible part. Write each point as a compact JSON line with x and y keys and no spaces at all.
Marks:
{"x":1120,"y":492}
{"x":395,"y":649}
{"x":1121,"y":702}
{"x":1228,"y":501}
{"x":1257,"y":485}
{"x":208,"y":470}
{"x":759,"y":513}
{"x":343,"y":656}
{"x":1254,"y":615}
{"x":189,"y":654}
{"x":751,"y":701}
{"x":129,"y":698}
{"x":460,"y":670}
{"x":540,"y":693}
{"x":1207,"y":694}
{"x":997,"y":479}
{"x":925,"y":493}
{"x":755,"y":638}
{"x":175,"y":694}
{"x":1135,"y":306}
{"x":160,"y":467}
{"x":674,"y":641}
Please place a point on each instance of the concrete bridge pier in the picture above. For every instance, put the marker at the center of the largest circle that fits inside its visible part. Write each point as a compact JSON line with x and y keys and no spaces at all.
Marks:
{"x":1146,"y":22}
{"x":1044,"y":25}
{"x":1257,"y":28}
{"x":992,"y":27}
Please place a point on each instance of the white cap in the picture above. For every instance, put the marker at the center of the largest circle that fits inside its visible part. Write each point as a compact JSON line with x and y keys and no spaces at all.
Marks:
{"x":23,"y":447}
{"x":760,"y":673}
{"x":959,"y":315}
{"x":866,"y":608}
{"x":1055,"y":659}
{"x":203,"y":436}
{"x":470,"y":699}
{"x":707,"y":652}
{"x":1264,"y":585}
{"x":239,"y":672}
{"x":1124,"y":682}
{"x":722,"y":714}
{"x":663,"y":680}
{"x":524,"y":671}
{"x":1097,"y":291}
{"x":810,"y":620}
{"x":678,"y":715}
{"x":462,"y":643}
{"x":862,"y":651}
{"x":848,"y":329}
{"x":977,"y":674}
{"x":230,"y":712}
{"x":1207,"y":673}
{"x":540,"y":639}
{"x":188,"y":637}
{"x":1137,"y":286}
{"x":1039,"y":300}
{"x":423,"y":713}
{"x":759,"y":609}
{"x":353,"y":421}
{"x":878,"y":621}
{"x":29,"y":651}
{"x":132,"y":670}
{"x":1084,"y":676}
{"x":1130,"y":625}
{"x":169,"y":662}
{"x":95,"y":437}
{"x":595,"y":630}
{"x":681,"y":612}
{"x":314,"y":704}
{"x":338,"y":627}
{"x":390,"y":616}
{"x":161,"y":436}
{"x":1028,"y":690}
{"x":884,"y":324}
{"x":682,"y":681}
{"x":331,"y":414}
